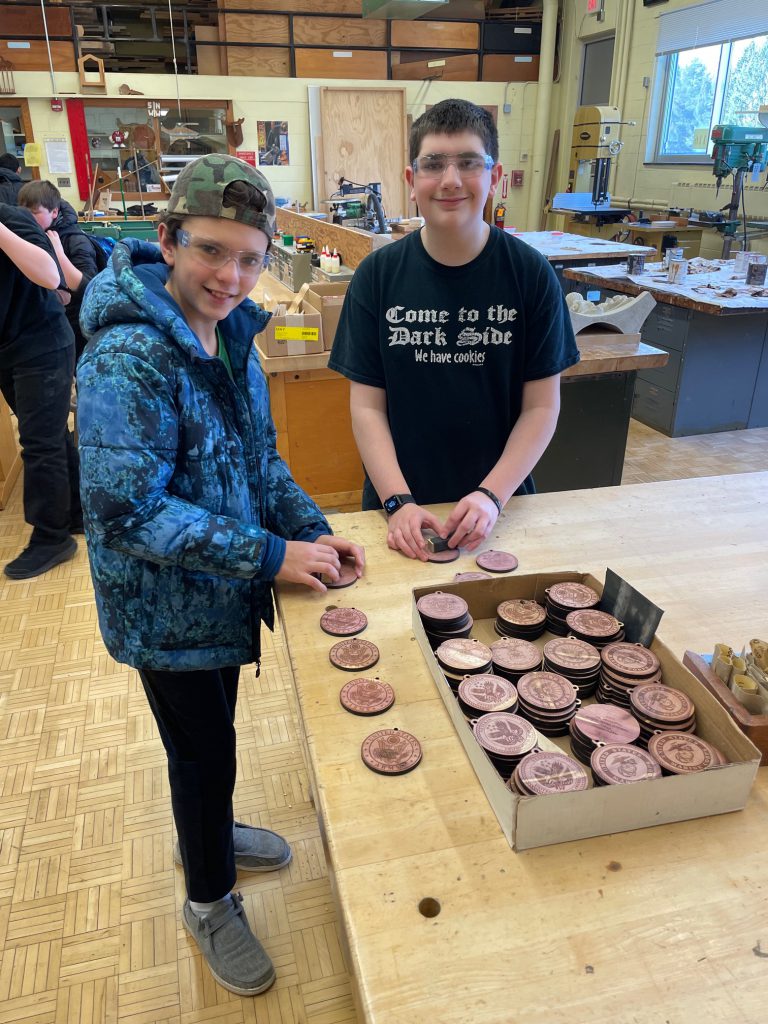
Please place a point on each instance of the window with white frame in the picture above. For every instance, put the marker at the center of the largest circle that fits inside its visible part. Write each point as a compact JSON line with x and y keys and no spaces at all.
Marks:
{"x":722,"y":79}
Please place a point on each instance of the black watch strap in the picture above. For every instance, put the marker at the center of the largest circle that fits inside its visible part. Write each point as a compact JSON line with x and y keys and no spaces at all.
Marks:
{"x":489,"y":494}
{"x":396,"y":501}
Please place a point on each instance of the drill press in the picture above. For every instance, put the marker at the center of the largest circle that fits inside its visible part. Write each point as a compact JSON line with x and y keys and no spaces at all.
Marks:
{"x":737,"y":151}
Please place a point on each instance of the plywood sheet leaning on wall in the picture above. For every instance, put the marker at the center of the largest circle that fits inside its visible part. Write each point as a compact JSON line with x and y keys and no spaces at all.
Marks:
{"x":364,"y":140}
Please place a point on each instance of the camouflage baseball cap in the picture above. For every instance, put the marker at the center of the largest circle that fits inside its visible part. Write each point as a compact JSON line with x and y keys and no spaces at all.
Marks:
{"x":202,"y":189}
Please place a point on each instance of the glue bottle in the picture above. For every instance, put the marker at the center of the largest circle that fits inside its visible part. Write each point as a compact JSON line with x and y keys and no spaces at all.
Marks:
{"x":325,"y":258}
{"x":335,"y":263}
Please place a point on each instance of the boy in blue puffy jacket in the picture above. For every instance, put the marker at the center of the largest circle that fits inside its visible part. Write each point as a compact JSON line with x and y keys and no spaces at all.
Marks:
{"x":190,"y":514}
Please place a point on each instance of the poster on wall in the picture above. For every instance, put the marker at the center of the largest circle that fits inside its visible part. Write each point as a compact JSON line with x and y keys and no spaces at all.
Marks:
{"x":273,"y":143}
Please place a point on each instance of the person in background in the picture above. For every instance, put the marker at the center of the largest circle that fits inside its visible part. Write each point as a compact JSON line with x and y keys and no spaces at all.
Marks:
{"x":37,"y":360}
{"x":74,"y":249}
{"x":10,"y":179}
{"x":191,"y":514}
{"x":453,"y":339}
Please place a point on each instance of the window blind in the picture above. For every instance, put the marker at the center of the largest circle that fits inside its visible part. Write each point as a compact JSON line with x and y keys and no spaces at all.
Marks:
{"x":716,"y":21}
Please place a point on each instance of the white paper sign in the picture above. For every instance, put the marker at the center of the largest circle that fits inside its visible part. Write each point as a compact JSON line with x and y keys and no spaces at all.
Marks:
{"x":57,"y":155}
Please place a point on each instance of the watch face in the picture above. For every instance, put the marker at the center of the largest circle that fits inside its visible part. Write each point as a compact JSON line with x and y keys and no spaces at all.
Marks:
{"x":391,"y":505}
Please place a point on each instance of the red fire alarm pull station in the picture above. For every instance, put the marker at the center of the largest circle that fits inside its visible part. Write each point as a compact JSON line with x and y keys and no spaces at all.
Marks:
{"x":516,"y":179}
{"x":56,"y":105}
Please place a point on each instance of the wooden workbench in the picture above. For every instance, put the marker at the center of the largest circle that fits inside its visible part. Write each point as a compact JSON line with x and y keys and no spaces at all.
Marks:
{"x":717,"y":374}
{"x":310,"y":407}
{"x":667,"y":924}
{"x":572,"y":249}
{"x":688,"y":237}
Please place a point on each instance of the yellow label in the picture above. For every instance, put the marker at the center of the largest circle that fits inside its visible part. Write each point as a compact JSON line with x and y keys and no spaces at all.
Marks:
{"x":33,"y":154}
{"x":297,"y":333}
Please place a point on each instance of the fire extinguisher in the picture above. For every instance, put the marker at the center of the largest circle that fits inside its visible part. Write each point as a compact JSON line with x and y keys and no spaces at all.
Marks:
{"x":498,"y":215}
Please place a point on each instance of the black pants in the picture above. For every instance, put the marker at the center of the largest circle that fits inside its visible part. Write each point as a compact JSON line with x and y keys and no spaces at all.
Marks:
{"x":195,"y":714}
{"x":39,"y":392}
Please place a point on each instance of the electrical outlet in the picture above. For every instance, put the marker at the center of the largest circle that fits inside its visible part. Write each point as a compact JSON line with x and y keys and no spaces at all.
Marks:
{"x":646,"y":81}
{"x":523,"y":156}
{"x":507,"y":108}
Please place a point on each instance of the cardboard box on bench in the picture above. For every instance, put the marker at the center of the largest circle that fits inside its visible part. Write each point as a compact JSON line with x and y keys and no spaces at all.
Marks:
{"x":295,"y":334}
{"x":327,"y":300}
{"x":532,"y":821}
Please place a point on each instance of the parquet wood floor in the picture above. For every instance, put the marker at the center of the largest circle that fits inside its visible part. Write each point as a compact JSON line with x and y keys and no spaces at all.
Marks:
{"x":89,"y":896}
{"x":90,"y":931}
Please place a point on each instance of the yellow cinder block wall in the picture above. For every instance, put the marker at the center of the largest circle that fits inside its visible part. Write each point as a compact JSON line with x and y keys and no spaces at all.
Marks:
{"x":674,"y":185}
{"x":287,"y":99}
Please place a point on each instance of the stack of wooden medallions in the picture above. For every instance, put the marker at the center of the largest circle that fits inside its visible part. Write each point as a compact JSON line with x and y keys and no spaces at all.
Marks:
{"x":563,"y":598}
{"x":617,"y":764}
{"x":598,"y":725}
{"x":543,"y":772}
{"x":479,"y":695}
{"x":660,"y":708}
{"x":575,"y":659}
{"x":505,"y":738}
{"x":525,"y":620}
{"x":512,"y":658}
{"x":623,"y":667}
{"x":595,"y":627}
{"x":680,"y":753}
{"x":548,"y":701}
{"x":463,"y":657}
{"x":444,"y":617}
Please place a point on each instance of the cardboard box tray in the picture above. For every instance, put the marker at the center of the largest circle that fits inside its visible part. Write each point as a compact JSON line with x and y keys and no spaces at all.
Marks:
{"x":529,"y":822}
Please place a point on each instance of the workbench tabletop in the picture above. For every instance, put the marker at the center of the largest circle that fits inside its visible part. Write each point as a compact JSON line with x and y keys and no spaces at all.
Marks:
{"x":652,"y":925}
{"x":560,"y":245}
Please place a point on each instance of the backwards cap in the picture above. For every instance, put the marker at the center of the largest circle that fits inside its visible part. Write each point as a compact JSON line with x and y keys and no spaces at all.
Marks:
{"x":201,"y":190}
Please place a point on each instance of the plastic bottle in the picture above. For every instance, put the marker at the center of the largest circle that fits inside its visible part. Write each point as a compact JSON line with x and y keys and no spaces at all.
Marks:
{"x":325,"y":257}
{"x":335,"y":266}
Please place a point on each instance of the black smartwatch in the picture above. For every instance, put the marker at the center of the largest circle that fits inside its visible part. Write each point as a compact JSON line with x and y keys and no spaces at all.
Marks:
{"x":391,"y":505}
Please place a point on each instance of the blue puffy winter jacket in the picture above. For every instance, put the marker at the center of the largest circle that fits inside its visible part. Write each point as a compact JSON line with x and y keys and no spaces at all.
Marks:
{"x":187,"y":503}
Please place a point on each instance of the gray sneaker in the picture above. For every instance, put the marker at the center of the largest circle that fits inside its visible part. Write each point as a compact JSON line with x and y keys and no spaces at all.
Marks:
{"x":256,"y":849}
{"x":234,"y":955}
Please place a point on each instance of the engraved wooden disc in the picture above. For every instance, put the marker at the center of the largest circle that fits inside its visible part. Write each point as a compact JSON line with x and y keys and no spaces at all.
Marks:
{"x":354,"y":655}
{"x":662,"y":703}
{"x":343,"y":621}
{"x":606,"y":723}
{"x":367,"y":696}
{"x":505,"y":734}
{"x":681,"y":753}
{"x":573,"y":595}
{"x":463,"y":654}
{"x":544,"y":772}
{"x":442,"y":607}
{"x":449,"y":555}
{"x":591,"y":622}
{"x":515,"y":655}
{"x":347,"y":575}
{"x":630,"y":659}
{"x":570,"y":653}
{"x":463,"y":577}
{"x":620,"y":763}
{"x":487,"y":693}
{"x":521,"y":613}
{"x":391,"y":752}
{"x":497,"y":561}
{"x":547,"y":690}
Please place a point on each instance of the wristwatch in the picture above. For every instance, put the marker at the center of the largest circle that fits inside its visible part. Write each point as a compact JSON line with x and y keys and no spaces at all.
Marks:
{"x":391,"y":505}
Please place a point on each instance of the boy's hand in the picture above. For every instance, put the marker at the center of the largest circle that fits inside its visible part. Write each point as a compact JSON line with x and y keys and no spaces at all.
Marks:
{"x":58,"y":248}
{"x":405,"y":527}
{"x":302,"y":559}
{"x":471,"y":521}
{"x":346,"y":549}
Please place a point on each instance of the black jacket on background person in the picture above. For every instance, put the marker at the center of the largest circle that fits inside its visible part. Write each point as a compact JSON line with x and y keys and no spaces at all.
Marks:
{"x":79,"y":249}
{"x":32,"y":320}
{"x":10,"y":184}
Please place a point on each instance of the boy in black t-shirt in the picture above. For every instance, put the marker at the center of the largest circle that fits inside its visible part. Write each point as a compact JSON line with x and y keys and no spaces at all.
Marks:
{"x":37,"y":358}
{"x":453,"y":340}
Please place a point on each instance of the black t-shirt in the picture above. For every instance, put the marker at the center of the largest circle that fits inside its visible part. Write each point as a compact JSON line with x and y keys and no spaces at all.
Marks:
{"x":32,"y":319}
{"x":453,"y":347}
